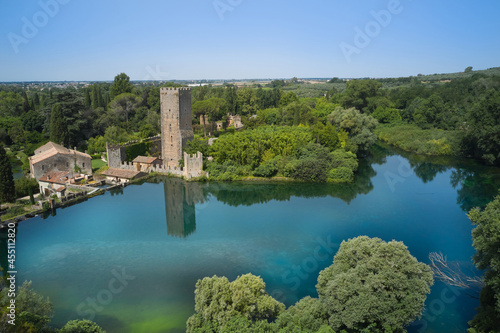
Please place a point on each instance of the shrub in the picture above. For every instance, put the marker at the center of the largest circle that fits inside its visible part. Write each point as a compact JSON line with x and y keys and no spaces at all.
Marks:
{"x":267,"y":169}
{"x":341,"y":175}
{"x":81,"y":326}
{"x":26,"y":186}
{"x":310,"y":170}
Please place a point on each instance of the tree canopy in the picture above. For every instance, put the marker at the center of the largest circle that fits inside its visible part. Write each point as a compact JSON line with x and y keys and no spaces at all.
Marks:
{"x":372,"y":282}
{"x":372,"y":286}
{"x":217,"y":301}
{"x":121,"y":85}
{"x":7,"y":185}
{"x":486,"y":241}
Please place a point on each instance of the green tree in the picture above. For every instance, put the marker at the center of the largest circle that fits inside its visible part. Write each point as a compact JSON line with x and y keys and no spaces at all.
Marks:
{"x":10,"y":104}
{"x":308,"y":315}
{"x":483,"y":137}
{"x":33,"y":121}
{"x":81,"y":326}
{"x":96,"y":92}
{"x":25,"y":186}
{"x":231,"y":97}
{"x":372,"y":282}
{"x":7,"y":187}
{"x":26,"y":102}
{"x":386,"y":115}
{"x":217,"y":301}
{"x":288,"y":98}
{"x":246,"y":101}
{"x":486,"y":241}
{"x":58,"y":127}
{"x":114,"y":135}
{"x":359,"y":126}
{"x":358,"y":92}
{"x":121,"y":85}
{"x":326,"y":135}
{"x":211,"y":108}
{"x":33,"y":311}
{"x":123,"y":106}
{"x":297,"y":113}
{"x":430,"y":113}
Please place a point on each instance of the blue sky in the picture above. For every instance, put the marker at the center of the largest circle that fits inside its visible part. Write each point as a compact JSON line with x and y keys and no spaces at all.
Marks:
{"x":236,"y":39}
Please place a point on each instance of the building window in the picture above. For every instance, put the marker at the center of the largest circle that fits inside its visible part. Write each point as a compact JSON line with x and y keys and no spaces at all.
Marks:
{"x":43,"y":167}
{"x":83,"y":165}
{"x":171,"y":139}
{"x":67,"y":164}
{"x":170,"y":127}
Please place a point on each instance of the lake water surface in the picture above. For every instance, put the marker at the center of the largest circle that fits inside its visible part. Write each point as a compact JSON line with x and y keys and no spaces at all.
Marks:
{"x":129,"y":259}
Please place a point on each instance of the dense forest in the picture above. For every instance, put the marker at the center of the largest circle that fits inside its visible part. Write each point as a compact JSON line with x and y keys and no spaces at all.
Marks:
{"x":292,"y":128}
{"x":319,"y":132}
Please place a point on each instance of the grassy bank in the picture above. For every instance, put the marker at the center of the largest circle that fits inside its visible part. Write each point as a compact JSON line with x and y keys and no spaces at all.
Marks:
{"x":413,"y":139}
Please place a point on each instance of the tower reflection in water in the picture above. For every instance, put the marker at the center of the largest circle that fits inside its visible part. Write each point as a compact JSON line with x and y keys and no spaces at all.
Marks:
{"x":180,"y":200}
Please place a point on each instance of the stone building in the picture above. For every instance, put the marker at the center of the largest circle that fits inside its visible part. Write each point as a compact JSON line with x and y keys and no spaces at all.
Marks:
{"x":234,"y":121}
{"x":117,"y":154}
{"x":53,"y":157}
{"x":176,"y":123}
{"x":56,"y":182}
{"x":146,"y":163}
{"x":176,"y":131}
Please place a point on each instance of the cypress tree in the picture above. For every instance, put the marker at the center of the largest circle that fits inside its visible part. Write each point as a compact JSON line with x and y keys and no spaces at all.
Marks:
{"x":26,"y":103}
{"x":100,"y":101}
{"x":88,"y":102}
{"x":7,"y":187}
{"x":95,"y":99}
{"x":107,"y":100}
{"x":58,"y":126}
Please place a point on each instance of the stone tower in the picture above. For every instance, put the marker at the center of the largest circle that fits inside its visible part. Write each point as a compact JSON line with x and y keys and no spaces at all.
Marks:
{"x":176,"y":123}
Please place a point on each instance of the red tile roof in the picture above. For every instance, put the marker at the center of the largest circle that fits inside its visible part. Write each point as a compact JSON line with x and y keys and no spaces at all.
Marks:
{"x":57,"y":177}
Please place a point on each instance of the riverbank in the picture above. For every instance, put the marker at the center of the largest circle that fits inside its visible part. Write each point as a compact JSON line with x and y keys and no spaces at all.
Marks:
{"x":50,"y":205}
{"x":413,"y":139}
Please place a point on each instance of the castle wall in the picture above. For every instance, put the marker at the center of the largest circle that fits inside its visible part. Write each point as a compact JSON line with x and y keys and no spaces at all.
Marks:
{"x":193,"y":165}
{"x":115,"y":154}
{"x":176,"y":131}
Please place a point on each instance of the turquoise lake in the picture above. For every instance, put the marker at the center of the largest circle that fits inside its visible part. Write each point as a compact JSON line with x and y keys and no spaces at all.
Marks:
{"x":129,"y":259}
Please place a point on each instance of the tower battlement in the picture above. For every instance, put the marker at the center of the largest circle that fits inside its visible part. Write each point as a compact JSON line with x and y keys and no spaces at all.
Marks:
{"x":165,"y":89}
